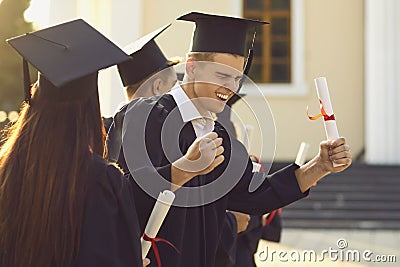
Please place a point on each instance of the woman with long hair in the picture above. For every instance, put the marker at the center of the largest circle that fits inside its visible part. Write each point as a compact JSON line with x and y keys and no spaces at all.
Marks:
{"x":61,"y":203}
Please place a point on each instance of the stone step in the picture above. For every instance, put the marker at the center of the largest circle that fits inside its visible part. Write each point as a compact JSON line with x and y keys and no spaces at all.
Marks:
{"x":370,"y":188}
{"x":309,"y":204}
{"x":342,"y":224}
{"x":362,"y":197}
{"x":354,"y":169}
{"x":342,"y":214}
{"x":354,"y":196}
{"x":355,"y":179}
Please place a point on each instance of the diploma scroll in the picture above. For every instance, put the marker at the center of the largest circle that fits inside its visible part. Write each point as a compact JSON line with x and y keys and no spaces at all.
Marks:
{"x":156,"y":219}
{"x":256,"y":167}
{"x":327,"y":110}
{"x":247,"y":136}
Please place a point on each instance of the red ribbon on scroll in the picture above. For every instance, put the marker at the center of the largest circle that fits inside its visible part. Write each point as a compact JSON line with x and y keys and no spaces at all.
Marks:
{"x":154,"y":246}
{"x":322,"y":114}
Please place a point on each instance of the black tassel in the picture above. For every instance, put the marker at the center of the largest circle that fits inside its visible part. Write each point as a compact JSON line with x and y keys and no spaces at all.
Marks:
{"x":27,"y":82}
{"x":248,"y":63}
{"x":250,"y":55}
{"x":246,"y":69}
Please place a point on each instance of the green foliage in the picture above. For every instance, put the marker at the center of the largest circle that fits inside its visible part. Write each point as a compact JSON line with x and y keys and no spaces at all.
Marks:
{"x":12,"y":23}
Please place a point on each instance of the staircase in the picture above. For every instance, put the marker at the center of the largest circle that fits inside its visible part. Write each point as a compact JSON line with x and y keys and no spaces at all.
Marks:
{"x":362,"y":197}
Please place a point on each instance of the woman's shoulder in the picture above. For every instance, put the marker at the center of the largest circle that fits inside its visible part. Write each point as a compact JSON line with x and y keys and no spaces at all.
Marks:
{"x":105,"y":173}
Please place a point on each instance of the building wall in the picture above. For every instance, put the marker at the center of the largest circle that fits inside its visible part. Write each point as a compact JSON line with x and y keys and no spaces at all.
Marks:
{"x":333,"y":41}
{"x":118,"y":20}
{"x":176,"y":40}
{"x":334,"y":48}
{"x":382,"y":82}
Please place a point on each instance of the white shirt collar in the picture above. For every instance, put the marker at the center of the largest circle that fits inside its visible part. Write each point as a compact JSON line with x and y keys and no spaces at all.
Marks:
{"x":186,"y":107}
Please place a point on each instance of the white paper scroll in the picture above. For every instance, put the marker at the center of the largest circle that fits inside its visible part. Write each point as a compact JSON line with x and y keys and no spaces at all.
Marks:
{"x":256,"y":167}
{"x":156,"y":218}
{"x":247,"y":136}
{"x":302,"y":153}
{"x":330,"y":125}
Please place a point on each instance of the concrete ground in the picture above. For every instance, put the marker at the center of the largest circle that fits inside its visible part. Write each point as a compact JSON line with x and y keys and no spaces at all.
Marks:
{"x":298,"y":245}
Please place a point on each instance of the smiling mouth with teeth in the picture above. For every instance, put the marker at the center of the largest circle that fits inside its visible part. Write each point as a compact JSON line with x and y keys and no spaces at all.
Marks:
{"x":222,"y":97}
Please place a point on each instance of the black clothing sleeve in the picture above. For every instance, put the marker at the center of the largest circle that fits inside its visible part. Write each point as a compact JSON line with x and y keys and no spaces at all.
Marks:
{"x":277,"y":190}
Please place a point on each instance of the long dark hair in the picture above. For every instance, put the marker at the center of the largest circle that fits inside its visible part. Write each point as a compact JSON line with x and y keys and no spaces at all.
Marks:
{"x":44,"y":166}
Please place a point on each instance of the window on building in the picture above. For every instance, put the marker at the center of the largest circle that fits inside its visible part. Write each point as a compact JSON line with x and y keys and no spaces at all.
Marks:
{"x":272,"y":47}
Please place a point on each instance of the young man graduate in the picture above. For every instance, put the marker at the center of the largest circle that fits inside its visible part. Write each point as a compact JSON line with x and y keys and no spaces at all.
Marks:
{"x":159,"y":130}
{"x":149,"y":73}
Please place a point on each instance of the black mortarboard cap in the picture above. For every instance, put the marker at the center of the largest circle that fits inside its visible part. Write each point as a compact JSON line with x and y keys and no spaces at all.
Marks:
{"x":222,"y":34}
{"x":146,"y":59}
{"x":66,"y":52}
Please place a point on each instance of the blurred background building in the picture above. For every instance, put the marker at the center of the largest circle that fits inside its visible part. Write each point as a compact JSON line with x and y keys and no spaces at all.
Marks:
{"x":355,"y":44}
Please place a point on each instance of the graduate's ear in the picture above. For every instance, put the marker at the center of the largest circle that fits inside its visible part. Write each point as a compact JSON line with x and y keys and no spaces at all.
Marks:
{"x":190,"y":68}
{"x":156,"y":86}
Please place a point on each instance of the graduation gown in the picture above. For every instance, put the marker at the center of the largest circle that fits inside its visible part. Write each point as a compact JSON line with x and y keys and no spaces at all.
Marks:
{"x":226,"y":250}
{"x":247,"y":243}
{"x":110,"y":232}
{"x":107,"y":123}
{"x":196,"y":231}
{"x":240,"y":253}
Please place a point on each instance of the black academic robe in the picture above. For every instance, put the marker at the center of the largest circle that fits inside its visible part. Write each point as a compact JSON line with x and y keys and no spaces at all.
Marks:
{"x":107,"y":121}
{"x":226,"y":250}
{"x":195,"y":231}
{"x":241,"y":252}
{"x":247,"y":243}
{"x":110,"y":232}
{"x":272,"y":231}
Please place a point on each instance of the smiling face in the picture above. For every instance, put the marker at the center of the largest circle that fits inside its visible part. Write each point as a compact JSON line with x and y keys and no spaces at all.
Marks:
{"x":214,"y":82}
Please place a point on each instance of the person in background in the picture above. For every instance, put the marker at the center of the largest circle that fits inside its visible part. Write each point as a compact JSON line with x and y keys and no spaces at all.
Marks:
{"x":148,"y":72}
{"x":61,"y":202}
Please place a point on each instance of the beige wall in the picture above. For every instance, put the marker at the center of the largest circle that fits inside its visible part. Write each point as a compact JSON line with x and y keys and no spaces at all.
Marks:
{"x":176,"y":40}
{"x":333,"y":48}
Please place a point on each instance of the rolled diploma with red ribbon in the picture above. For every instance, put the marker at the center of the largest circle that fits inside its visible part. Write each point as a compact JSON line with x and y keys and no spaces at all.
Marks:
{"x":156,"y":219}
{"x":330,"y":124}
